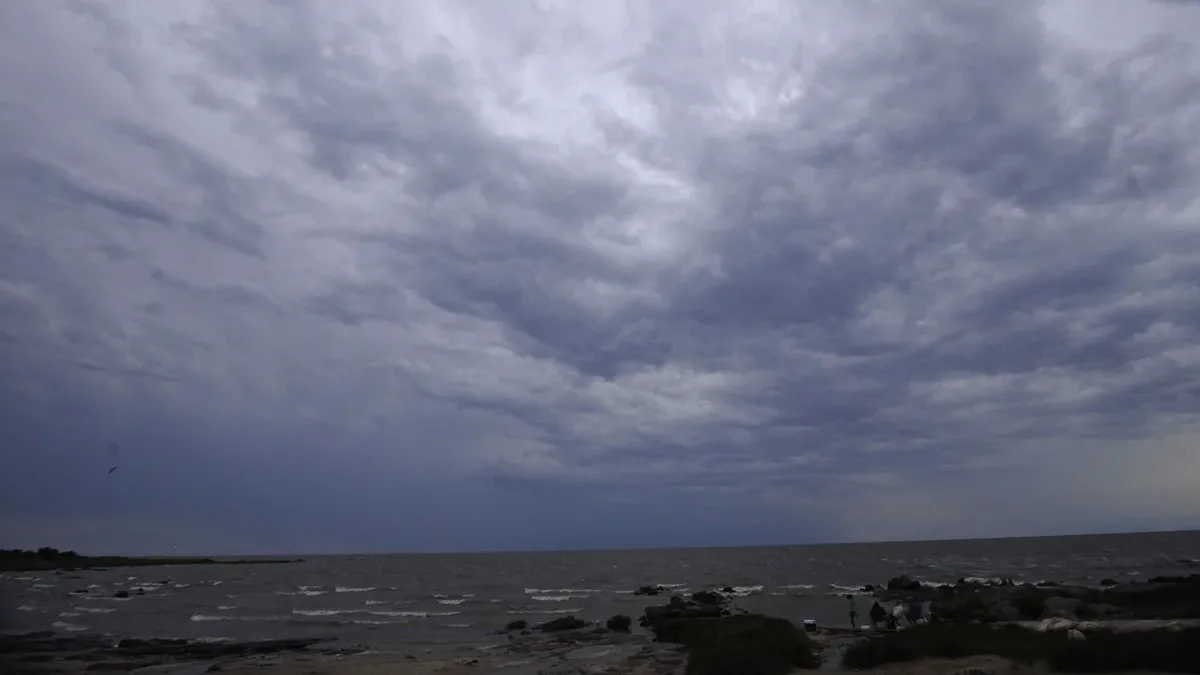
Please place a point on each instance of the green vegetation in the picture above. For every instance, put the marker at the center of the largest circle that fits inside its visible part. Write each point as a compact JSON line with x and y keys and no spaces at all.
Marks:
{"x":47,"y":558}
{"x":1164,"y":650}
{"x":619,"y":623}
{"x":747,"y":644}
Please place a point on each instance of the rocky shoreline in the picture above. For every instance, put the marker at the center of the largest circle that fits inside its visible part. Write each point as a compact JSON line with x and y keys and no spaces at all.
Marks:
{"x":702,"y":634}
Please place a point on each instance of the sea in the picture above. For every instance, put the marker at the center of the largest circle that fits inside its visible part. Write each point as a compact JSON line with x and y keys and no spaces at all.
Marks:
{"x":430,"y":601}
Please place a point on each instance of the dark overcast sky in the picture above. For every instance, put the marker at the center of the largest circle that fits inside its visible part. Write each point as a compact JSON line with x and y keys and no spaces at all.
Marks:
{"x":384,"y":275}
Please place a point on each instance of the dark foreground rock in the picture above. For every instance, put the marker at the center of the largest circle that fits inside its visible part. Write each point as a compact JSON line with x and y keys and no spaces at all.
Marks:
{"x":21,"y":653}
{"x":1099,"y":650}
{"x":719,"y":642}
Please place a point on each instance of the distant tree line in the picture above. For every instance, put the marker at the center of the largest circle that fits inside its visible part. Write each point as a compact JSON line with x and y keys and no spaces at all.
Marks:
{"x":43,"y":553}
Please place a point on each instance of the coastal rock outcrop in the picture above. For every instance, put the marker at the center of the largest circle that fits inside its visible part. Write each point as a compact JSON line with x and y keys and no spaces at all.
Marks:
{"x":719,"y":641}
{"x":1157,"y":598}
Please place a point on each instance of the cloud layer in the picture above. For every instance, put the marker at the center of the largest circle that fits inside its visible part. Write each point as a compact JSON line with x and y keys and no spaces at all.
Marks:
{"x":422,"y":275}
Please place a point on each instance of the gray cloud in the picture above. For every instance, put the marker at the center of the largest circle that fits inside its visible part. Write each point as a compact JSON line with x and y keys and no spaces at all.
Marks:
{"x":727,"y":268}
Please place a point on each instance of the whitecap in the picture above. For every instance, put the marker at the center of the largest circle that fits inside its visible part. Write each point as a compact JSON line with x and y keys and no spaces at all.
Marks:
{"x":564,"y":591}
{"x":69,"y":627}
{"x":27,"y":608}
{"x":96,"y":610}
{"x":375,"y":602}
{"x":418,"y":615}
{"x":69,"y":614}
{"x":454,"y":601}
{"x":545,"y":611}
{"x":323,"y":612}
{"x":224,"y":617}
{"x":226,"y":607}
{"x":348,"y":589}
{"x":798,"y":586}
{"x":557,"y":598}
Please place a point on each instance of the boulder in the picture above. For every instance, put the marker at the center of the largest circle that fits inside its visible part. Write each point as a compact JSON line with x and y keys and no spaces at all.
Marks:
{"x":1062,"y":607}
{"x":562,"y":623}
{"x":903,"y":583}
{"x":678,"y":608}
{"x":619,"y":623}
{"x":648,"y":590}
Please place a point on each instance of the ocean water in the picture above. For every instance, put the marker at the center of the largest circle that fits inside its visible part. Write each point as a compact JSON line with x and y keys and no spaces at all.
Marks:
{"x":428,"y":600}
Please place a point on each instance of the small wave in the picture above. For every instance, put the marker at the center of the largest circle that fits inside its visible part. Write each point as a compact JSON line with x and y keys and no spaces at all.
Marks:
{"x":41,"y":587}
{"x":375,"y":602}
{"x":557,"y":598}
{"x":670,"y":585}
{"x":225,"y":617}
{"x":415,"y":615}
{"x":984,"y":581}
{"x":743,"y":591}
{"x":180,"y":585}
{"x":69,"y":614}
{"x":226,"y":607}
{"x":348,"y":589}
{"x":338,"y":612}
{"x":803,"y":587}
{"x":453,"y":601}
{"x":544,"y":611}
{"x":309,"y":593}
{"x":27,"y":608}
{"x":565,"y":591}
{"x":457,"y":625}
{"x":95,"y":610}
{"x":69,"y":627}
{"x":324,"y":612}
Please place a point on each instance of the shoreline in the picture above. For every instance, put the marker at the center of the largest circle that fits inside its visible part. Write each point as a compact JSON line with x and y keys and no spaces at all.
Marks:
{"x":975,"y":614}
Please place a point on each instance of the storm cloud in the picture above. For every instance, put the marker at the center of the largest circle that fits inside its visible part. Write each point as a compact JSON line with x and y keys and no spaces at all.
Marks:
{"x":451,"y":275}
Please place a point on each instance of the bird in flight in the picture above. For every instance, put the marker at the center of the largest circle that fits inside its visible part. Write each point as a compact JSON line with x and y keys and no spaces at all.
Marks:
{"x":112,"y":469}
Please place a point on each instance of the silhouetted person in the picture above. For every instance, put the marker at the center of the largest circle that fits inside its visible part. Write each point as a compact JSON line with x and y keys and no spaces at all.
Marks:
{"x":877,"y":614}
{"x":916,"y":611}
{"x":896,"y":616}
{"x":853,"y":611}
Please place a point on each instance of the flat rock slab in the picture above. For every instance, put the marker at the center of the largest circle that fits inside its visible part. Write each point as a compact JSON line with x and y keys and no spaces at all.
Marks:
{"x":616,"y":652}
{"x":175,"y":669}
